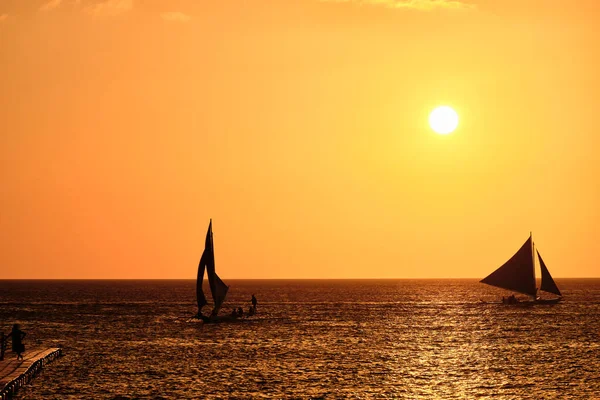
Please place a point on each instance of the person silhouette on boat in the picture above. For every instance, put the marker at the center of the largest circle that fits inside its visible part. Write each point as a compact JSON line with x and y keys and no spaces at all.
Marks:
{"x":254,"y":302}
{"x":251,"y":311}
{"x":17,"y":336}
{"x":240,"y":312}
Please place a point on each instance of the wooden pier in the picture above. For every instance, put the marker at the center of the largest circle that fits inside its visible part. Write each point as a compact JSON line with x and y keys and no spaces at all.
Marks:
{"x":16,"y":373}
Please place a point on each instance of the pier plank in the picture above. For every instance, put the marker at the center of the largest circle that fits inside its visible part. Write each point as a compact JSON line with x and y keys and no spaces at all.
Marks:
{"x":16,"y":373}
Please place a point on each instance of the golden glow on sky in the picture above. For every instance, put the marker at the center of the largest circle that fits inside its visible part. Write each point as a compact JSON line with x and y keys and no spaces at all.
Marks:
{"x":443,"y":120}
{"x":300,"y":127}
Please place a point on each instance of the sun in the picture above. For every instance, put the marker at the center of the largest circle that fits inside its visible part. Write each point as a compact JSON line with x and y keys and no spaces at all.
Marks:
{"x":443,"y":120}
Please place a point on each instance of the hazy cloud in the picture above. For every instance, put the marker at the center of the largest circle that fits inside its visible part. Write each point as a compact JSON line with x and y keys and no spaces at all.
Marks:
{"x":3,"y":17}
{"x":423,"y":5}
{"x":175,"y":16}
{"x":108,"y":8}
{"x":52,"y":4}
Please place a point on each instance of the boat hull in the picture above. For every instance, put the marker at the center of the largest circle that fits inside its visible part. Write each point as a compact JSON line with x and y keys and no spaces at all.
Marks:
{"x":525,"y":302}
{"x":547,"y":301}
{"x":218,"y":319}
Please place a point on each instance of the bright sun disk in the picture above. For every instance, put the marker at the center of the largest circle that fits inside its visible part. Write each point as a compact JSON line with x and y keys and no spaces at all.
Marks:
{"x":443,"y":120}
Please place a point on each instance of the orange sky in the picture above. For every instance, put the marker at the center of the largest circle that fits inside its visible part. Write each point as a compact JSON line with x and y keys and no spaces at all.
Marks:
{"x":300,"y":127}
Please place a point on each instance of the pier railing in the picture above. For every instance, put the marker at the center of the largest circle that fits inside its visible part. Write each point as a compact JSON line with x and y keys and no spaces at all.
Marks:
{"x":3,"y":340}
{"x":26,"y":370}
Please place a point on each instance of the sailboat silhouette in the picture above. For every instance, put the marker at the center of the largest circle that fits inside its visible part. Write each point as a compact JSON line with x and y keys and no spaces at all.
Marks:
{"x":218,"y":288}
{"x":518,"y":275}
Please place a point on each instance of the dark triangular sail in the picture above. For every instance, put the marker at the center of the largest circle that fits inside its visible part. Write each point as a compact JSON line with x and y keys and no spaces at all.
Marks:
{"x":219,"y":291}
{"x":517,"y":274}
{"x":548,"y":284}
{"x":218,"y":288}
{"x":200,"y":298}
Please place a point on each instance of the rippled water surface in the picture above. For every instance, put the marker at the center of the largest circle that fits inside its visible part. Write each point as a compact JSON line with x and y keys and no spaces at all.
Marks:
{"x":311,"y":339}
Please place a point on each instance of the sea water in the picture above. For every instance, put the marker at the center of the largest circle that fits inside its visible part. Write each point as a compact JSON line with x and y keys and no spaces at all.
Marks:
{"x":402,"y":339}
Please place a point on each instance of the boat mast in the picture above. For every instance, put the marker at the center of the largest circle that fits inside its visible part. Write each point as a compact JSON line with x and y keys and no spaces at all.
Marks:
{"x":212,"y":245}
{"x":533,"y":263}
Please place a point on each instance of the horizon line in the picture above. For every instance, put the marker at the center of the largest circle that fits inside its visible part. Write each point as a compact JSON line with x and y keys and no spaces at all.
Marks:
{"x":260,"y":279}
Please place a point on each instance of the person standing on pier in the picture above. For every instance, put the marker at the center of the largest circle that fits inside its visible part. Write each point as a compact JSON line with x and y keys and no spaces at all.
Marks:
{"x":17,"y":341}
{"x":254,"y":301}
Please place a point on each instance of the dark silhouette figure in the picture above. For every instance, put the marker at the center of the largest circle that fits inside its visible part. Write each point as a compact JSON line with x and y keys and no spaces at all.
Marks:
{"x":240,"y":312}
{"x":17,"y":336}
{"x":510,"y":299}
{"x":254,"y":302}
{"x":251,"y":311}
